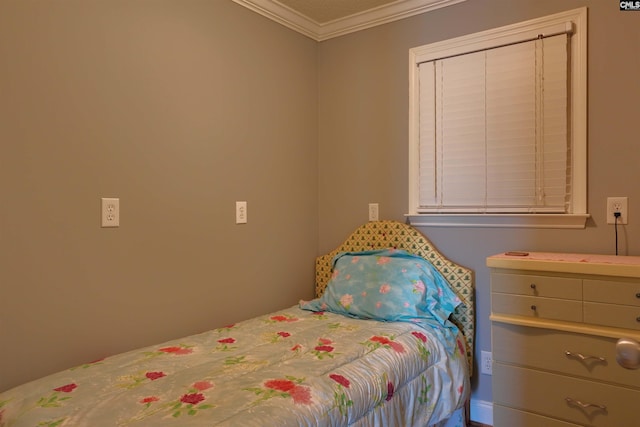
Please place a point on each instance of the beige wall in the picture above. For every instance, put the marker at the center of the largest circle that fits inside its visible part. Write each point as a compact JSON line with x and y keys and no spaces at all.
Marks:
{"x":179,"y":108}
{"x":364,"y":131}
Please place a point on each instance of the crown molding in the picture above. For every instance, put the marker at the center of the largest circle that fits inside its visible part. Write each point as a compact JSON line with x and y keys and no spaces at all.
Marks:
{"x":283,"y":15}
{"x":288,"y":17}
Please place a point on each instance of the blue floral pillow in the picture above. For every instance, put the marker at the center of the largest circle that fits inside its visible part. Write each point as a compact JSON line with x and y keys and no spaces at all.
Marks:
{"x":386,"y":284}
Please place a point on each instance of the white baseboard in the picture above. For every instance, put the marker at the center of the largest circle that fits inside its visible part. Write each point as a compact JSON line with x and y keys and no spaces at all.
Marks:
{"x":481,"y":412}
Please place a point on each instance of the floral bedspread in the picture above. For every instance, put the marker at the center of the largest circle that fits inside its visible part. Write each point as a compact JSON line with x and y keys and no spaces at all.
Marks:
{"x":288,"y":368}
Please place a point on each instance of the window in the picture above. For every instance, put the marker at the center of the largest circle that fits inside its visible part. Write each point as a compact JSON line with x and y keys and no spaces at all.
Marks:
{"x":498,"y":126}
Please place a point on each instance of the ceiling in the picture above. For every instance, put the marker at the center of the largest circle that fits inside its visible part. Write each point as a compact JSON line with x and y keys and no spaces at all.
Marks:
{"x":325,"y":19}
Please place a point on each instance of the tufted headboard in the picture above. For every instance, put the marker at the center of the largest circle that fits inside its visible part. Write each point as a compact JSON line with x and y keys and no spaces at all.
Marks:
{"x":394,"y":234}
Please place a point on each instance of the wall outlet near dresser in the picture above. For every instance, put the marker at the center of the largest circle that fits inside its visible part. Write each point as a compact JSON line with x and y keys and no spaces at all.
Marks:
{"x":485,"y":363}
{"x":617,"y":205}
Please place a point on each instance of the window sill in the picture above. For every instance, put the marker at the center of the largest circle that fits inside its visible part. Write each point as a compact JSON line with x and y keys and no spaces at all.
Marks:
{"x":500,"y":220}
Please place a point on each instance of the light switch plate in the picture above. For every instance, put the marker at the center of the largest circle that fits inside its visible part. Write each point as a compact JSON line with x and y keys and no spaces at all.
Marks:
{"x":373,"y":211}
{"x":241,"y":212}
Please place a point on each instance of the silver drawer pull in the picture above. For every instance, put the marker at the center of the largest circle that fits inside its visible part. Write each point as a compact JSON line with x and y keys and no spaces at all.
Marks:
{"x":585,"y":405}
{"x":583,"y":357}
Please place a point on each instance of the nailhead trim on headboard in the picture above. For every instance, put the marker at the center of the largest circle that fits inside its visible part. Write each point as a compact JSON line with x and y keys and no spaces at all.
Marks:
{"x":394,"y":234}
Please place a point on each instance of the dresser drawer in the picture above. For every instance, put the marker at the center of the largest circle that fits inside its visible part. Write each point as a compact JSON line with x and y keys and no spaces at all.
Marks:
{"x":617,"y":316}
{"x":539,"y":286}
{"x":612,"y":292}
{"x":561,"y":397}
{"x":562,"y":352}
{"x":547,"y":308}
{"x":509,"y":417}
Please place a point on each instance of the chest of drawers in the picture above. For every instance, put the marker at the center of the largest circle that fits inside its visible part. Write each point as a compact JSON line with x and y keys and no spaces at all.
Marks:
{"x":555,"y":321}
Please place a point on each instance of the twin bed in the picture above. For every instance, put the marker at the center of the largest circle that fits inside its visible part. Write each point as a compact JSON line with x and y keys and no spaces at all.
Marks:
{"x":387,"y":341}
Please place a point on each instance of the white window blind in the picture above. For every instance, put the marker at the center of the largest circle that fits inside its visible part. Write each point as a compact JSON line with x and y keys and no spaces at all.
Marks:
{"x":493,"y":130}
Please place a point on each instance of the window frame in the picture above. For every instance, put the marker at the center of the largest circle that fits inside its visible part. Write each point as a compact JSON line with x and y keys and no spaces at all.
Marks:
{"x":576,"y":215}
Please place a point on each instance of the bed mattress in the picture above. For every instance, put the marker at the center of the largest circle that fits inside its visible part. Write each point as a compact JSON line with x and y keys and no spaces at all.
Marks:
{"x":288,"y":368}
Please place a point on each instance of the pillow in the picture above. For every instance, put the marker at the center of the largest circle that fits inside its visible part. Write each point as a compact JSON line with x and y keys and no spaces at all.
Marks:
{"x":386,"y":284}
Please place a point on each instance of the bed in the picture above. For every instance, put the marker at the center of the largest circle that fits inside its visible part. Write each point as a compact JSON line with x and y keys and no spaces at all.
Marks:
{"x":324,"y":362}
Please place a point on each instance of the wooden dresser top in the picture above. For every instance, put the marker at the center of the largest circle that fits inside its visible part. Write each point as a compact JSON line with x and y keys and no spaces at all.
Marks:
{"x":609,"y":265}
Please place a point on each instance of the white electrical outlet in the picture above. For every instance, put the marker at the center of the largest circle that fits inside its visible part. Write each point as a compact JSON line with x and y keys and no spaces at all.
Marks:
{"x":241,"y":212}
{"x":110,"y":212}
{"x":486,"y":363}
{"x":373,"y":211}
{"x":617,"y":204}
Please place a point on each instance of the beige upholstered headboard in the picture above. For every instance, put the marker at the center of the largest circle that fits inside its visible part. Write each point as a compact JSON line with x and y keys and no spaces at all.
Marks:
{"x":394,"y":234}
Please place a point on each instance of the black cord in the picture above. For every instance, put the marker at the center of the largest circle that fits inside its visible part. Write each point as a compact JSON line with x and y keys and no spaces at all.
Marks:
{"x":616,"y":215}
